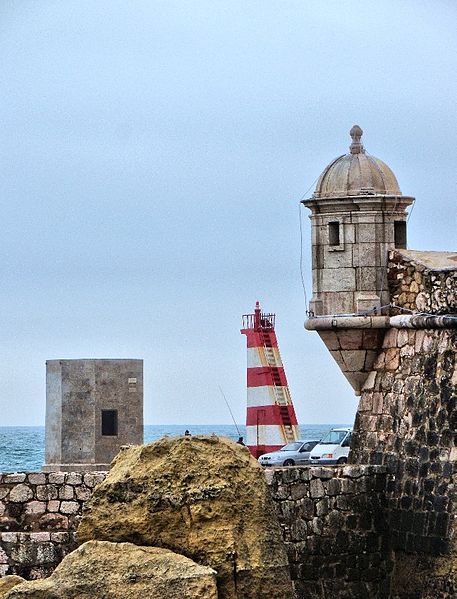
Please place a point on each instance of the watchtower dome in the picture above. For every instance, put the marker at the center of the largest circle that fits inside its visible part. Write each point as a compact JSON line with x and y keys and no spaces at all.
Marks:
{"x":358,"y":213}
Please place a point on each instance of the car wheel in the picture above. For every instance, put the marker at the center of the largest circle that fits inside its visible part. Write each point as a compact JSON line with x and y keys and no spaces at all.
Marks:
{"x":342,"y":461}
{"x":289,"y":463}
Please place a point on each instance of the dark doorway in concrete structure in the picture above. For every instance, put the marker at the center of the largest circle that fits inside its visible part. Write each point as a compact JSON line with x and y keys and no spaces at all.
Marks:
{"x":109,"y":423}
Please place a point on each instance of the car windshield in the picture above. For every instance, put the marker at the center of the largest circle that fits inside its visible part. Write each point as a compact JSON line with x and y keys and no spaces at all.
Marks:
{"x":333,"y":437}
{"x":292,"y":446}
{"x":309,"y":446}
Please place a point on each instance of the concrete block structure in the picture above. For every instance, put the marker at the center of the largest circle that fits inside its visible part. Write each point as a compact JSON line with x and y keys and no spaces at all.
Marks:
{"x":93,"y":407}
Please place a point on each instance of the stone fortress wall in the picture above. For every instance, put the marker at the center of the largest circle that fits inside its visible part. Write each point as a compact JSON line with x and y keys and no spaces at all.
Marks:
{"x":423,"y":281}
{"x":335,"y":523}
{"x":39,"y":513}
{"x":332,"y":522}
{"x":335,"y":529}
{"x":394,"y":337}
{"x":407,"y":421}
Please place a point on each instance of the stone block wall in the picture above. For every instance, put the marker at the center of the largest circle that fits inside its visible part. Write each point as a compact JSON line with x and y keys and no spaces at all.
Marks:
{"x":332,"y":521}
{"x":335,"y":530}
{"x":407,"y":421}
{"x":33,"y":555}
{"x":337,"y":523}
{"x":39,"y":513}
{"x":418,"y":284}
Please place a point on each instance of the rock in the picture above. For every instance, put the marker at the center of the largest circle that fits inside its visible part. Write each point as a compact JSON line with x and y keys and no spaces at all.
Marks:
{"x":15,"y":477}
{"x":8,"y":582}
{"x":204,"y":497}
{"x":8,"y":523}
{"x":99,"y":569}
{"x":20,"y":494}
{"x":53,"y":522}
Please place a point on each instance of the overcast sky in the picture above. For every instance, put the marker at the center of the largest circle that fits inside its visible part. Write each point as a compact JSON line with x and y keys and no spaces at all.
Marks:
{"x":152,"y":159}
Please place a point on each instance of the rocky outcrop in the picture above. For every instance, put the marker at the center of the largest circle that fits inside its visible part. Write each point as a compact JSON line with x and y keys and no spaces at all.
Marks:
{"x":204,"y":497}
{"x":9,"y":582}
{"x":99,"y":569}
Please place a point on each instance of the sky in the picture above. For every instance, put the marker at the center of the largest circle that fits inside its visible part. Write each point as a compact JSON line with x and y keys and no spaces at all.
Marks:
{"x":152,"y":159}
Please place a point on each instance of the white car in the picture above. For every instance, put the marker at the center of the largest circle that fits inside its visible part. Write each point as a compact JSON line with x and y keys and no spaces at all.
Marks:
{"x":333,"y":448}
{"x":293,"y":453}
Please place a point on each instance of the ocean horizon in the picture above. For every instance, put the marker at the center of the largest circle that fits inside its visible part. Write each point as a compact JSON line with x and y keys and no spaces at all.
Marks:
{"x":22,"y":447}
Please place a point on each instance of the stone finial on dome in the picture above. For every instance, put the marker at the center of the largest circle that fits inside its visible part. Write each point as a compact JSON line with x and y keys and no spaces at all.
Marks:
{"x":356,"y":146}
{"x":356,"y":173}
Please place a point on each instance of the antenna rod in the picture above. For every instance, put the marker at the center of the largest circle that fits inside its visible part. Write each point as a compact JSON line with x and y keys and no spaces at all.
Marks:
{"x":231,"y":414}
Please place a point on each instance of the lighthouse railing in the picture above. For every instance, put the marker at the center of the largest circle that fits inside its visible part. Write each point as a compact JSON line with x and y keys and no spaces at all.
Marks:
{"x":267,"y":321}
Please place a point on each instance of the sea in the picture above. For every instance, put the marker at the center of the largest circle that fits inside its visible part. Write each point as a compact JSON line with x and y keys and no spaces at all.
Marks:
{"x":22,"y":447}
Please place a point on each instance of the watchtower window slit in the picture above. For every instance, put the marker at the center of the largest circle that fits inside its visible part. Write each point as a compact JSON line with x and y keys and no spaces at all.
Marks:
{"x":400,"y":234}
{"x":334,"y":233}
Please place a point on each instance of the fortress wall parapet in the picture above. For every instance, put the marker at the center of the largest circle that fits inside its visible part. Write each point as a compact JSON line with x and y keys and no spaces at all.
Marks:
{"x":423,"y":281}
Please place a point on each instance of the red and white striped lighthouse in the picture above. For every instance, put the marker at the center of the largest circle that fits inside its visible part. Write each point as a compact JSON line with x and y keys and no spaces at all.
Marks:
{"x":270,"y":418}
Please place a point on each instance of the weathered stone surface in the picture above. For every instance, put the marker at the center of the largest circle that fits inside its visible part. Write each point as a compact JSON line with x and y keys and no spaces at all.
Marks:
{"x":15,"y":477}
{"x":202,"y":496}
{"x":74,"y":478}
{"x":7,"y":583}
{"x":99,"y":569}
{"x":86,"y":387}
{"x":69,"y":507}
{"x":35,"y":507}
{"x":438,"y":578}
{"x":29,"y":508}
{"x":20,"y":493}
{"x":37,"y":478}
{"x":423,"y":281}
{"x":53,"y":522}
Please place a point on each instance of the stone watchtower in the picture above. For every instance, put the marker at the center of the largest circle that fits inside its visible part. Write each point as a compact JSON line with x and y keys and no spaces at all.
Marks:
{"x":388,"y":316}
{"x":358,"y":214}
{"x":93,"y":407}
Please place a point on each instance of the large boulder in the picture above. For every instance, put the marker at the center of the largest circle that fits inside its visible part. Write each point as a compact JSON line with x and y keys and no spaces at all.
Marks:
{"x":204,"y":497}
{"x":99,"y":569}
{"x":8,"y":582}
